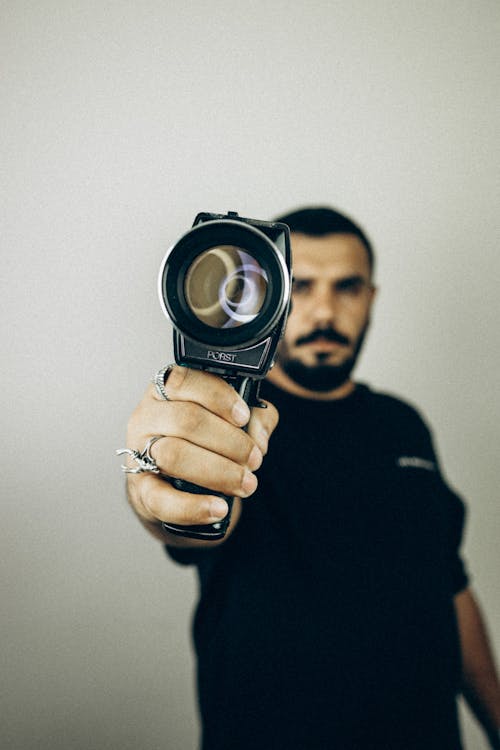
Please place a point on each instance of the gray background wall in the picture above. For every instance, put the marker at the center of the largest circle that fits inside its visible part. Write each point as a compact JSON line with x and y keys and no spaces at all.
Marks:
{"x":120,"y":121}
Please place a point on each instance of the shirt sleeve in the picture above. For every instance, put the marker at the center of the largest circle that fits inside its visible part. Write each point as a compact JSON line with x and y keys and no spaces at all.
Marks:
{"x":454,"y":514}
{"x":457,"y":515}
{"x":455,"y":518}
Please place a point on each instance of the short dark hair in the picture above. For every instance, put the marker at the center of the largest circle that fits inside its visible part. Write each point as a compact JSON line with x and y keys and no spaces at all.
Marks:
{"x":316,"y":221}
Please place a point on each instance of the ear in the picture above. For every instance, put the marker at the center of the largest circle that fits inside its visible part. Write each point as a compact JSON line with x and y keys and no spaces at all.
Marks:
{"x":373,"y":293}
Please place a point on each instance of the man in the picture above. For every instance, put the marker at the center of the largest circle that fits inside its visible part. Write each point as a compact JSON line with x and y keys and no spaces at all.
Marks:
{"x":336,"y":612}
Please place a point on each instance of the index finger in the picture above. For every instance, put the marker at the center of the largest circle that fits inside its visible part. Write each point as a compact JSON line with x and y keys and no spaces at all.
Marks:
{"x":207,"y":390}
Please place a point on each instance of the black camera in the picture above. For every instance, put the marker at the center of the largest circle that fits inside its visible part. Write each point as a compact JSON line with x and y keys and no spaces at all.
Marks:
{"x":225,"y":286}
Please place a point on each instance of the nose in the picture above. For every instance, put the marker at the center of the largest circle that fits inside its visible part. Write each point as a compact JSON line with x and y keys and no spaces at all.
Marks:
{"x":324,"y":305}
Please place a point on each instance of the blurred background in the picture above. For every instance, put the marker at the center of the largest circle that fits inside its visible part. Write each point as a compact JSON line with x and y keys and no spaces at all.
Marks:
{"x":122,"y":120}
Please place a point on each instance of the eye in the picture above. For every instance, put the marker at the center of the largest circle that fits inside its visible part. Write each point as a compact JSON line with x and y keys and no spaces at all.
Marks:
{"x":351,"y":287}
{"x":301,"y":286}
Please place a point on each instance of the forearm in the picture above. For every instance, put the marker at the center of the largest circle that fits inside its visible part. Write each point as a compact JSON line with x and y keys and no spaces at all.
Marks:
{"x":481,"y":686}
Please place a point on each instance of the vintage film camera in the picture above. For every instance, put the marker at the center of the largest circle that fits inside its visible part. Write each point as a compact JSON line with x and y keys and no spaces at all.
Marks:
{"x":226,"y":286}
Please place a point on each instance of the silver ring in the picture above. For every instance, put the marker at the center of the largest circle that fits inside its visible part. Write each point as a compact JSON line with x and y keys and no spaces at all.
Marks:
{"x":144,"y":460}
{"x":158,"y":381}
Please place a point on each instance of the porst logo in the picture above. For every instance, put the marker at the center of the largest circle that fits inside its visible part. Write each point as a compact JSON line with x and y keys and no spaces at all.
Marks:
{"x":221,"y":356}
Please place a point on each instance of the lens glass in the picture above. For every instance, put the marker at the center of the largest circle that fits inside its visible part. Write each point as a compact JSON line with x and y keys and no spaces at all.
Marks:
{"x":225,"y":287}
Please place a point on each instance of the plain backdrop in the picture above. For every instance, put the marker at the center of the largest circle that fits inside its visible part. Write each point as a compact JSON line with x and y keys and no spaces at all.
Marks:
{"x":122,"y":120}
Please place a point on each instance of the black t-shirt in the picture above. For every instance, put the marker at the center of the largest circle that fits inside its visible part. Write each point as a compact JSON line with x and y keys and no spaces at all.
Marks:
{"x":326,"y":620}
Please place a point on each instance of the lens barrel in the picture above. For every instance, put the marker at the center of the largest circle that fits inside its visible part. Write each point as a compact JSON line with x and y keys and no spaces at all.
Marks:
{"x":224,"y":284}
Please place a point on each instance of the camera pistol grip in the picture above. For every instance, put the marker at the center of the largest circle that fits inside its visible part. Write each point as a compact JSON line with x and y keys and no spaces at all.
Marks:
{"x":211,"y":531}
{"x":248,"y":388}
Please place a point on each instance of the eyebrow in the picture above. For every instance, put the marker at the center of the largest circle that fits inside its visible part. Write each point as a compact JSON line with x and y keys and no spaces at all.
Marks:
{"x":342,"y":281}
{"x":351,"y":280}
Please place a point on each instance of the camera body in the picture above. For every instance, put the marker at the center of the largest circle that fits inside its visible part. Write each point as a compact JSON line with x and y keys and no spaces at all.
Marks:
{"x":226,"y":285}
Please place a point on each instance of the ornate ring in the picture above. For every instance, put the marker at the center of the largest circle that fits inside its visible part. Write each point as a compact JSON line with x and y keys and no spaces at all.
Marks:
{"x":158,"y":381}
{"x":144,"y":460}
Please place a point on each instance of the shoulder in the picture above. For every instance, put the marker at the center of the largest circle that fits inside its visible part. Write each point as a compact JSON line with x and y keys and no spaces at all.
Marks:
{"x":392,"y":403}
{"x":395,"y":411}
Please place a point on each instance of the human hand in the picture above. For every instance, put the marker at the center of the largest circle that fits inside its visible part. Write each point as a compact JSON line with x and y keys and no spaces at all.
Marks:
{"x":202,"y":442}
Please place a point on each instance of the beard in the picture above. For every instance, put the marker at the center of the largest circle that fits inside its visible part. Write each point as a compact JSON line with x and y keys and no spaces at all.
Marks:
{"x":321,"y":377}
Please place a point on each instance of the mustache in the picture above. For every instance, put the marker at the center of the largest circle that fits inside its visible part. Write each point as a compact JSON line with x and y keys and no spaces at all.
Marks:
{"x":328,"y":334}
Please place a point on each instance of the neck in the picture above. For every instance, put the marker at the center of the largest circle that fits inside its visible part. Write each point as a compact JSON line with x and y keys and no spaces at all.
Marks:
{"x":279,"y":378}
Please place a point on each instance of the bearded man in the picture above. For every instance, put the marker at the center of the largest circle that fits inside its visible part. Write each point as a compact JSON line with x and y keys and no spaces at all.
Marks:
{"x":336,"y":612}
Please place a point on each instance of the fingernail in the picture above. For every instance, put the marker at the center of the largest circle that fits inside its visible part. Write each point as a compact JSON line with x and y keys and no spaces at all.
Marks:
{"x":263,"y":440}
{"x":254,"y":459}
{"x":218,"y":508}
{"x":241,"y":413}
{"x":249,"y":483}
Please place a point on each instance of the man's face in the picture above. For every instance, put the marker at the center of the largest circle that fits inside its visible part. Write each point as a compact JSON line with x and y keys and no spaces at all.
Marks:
{"x":332,"y":295}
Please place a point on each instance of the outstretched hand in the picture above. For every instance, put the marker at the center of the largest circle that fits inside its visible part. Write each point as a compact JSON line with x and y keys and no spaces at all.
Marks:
{"x":201,"y":442}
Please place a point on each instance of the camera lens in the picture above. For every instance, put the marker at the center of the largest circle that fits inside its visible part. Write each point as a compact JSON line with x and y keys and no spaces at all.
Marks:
{"x":225,"y":287}
{"x":225,"y":284}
